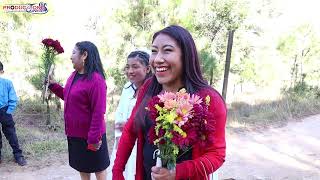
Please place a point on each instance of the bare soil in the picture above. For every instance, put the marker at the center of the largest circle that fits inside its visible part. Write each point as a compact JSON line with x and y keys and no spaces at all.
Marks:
{"x":291,"y":152}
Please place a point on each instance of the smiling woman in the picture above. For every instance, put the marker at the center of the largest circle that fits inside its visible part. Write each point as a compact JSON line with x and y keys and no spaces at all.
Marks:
{"x":165,"y":60}
{"x":137,"y":68}
{"x":137,"y":71}
{"x":176,"y":65}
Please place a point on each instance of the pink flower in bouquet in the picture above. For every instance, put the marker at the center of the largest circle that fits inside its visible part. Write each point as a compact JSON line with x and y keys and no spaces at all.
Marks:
{"x":182,"y":95}
{"x":167,"y":96}
{"x":184,"y":113}
{"x":170,"y":104}
{"x":195,"y":99}
{"x":180,"y":121}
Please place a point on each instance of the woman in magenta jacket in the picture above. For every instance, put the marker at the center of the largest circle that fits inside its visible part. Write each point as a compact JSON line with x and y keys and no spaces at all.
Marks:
{"x":175,"y":62}
{"x":84,"y":98}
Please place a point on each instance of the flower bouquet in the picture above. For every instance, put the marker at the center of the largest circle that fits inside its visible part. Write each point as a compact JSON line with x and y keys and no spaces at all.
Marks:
{"x":181,"y":121}
{"x":51,"y":49}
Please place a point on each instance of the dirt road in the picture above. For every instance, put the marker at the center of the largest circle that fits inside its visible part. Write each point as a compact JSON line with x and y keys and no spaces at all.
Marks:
{"x":288,"y":153}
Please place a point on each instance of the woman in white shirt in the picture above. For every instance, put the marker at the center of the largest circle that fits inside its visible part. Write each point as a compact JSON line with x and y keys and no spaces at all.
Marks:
{"x":137,"y":71}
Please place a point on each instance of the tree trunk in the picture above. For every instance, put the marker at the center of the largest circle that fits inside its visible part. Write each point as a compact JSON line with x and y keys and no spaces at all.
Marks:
{"x":57,"y":102}
{"x":48,"y":122}
{"x":211,"y":76}
{"x":227,"y":65}
{"x":294,"y":71}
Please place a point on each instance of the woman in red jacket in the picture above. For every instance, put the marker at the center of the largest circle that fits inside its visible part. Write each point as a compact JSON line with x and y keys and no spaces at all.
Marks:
{"x":175,"y":62}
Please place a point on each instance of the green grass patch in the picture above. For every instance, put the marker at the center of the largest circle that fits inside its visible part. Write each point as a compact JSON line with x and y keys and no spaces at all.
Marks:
{"x":45,"y":147}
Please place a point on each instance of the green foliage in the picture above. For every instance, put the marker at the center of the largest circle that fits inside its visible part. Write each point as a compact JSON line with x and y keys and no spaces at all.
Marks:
{"x":302,"y":90}
{"x":27,"y":49}
{"x":5,"y":43}
{"x":118,"y":76}
{"x":33,"y":106}
{"x":245,"y":70}
{"x":138,"y":16}
{"x":219,"y":16}
{"x":129,"y":25}
{"x":212,"y":23}
{"x":301,"y":49}
{"x":287,"y":44}
{"x":48,"y":58}
{"x":11,"y":24}
{"x":136,"y":21}
{"x":37,"y":80}
{"x":209,"y":66}
{"x":20,"y":19}
{"x":272,"y":113}
{"x":42,"y":148}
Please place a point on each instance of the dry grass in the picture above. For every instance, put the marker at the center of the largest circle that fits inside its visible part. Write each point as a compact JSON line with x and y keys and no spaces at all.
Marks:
{"x":271,"y":113}
{"x":39,"y":140}
{"x":35,"y":137}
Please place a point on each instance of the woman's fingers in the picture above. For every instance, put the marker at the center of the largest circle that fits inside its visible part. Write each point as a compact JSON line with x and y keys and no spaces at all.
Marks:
{"x":100,"y":143}
{"x":162,"y":174}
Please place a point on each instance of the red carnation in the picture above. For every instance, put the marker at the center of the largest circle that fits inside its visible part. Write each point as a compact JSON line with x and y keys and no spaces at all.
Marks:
{"x":184,"y":142}
{"x":48,"y":42}
{"x":51,"y":48}
{"x":153,"y":112}
{"x":55,"y":44}
{"x":152,"y":134}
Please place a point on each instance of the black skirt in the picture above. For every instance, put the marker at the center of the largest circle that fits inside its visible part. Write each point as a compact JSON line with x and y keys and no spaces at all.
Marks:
{"x":87,"y":161}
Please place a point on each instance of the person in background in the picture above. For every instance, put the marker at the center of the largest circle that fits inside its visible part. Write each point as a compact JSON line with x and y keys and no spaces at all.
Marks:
{"x":84,"y":98}
{"x":174,"y":60}
{"x":137,"y":70}
{"x":8,"y":103}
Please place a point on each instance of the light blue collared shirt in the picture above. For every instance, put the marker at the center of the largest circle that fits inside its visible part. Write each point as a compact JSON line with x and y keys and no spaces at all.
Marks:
{"x":8,"y":95}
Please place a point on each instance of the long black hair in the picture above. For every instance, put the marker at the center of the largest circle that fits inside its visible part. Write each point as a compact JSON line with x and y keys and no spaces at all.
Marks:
{"x":92,"y":62}
{"x":143,"y":58}
{"x":192,"y":77}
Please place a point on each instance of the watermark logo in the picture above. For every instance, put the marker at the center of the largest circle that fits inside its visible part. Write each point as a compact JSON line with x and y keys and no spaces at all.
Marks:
{"x":40,"y":8}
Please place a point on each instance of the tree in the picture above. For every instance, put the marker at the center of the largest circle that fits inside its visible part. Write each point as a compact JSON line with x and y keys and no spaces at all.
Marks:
{"x":135,"y":22}
{"x":10,"y":25}
{"x":301,"y":48}
{"x":209,"y":66}
{"x":215,"y":19}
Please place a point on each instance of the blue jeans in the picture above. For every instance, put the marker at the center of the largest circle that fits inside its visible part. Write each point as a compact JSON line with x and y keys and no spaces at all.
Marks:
{"x":9,"y":131}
